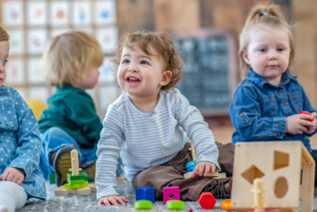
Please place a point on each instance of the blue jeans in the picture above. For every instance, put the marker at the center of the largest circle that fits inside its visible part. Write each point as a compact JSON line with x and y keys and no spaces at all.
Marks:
{"x":56,"y":138}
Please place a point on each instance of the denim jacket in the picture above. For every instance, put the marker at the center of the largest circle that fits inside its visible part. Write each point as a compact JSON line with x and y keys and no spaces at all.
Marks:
{"x":259,"y":109}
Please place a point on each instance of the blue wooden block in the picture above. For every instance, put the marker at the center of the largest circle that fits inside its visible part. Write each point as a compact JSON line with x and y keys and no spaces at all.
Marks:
{"x":190,"y":165}
{"x":144,"y":193}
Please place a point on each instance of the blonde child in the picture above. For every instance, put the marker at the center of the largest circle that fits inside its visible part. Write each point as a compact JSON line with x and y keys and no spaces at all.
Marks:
{"x":70,"y":121}
{"x":20,"y":144}
{"x":146,"y":124}
{"x":267,"y":102}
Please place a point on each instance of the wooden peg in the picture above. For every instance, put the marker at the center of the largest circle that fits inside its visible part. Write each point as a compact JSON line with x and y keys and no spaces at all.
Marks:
{"x":192,"y":150}
{"x":258,"y":195}
{"x":75,"y":164}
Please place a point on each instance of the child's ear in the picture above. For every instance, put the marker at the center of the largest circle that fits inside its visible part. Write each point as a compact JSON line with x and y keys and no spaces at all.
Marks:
{"x":245,"y":56}
{"x":167,"y":75}
{"x":75,"y":69}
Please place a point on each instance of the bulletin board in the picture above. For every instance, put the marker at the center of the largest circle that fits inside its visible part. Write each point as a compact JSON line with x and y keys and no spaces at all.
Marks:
{"x":210,"y":74}
{"x":31,"y":23}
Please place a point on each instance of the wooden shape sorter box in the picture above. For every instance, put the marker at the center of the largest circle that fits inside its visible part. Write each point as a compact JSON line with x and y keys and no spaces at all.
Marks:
{"x":286,"y":168}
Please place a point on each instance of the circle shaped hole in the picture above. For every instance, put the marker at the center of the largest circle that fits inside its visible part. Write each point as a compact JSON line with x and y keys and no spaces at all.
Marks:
{"x":281,"y":187}
{"x":171,"y":196}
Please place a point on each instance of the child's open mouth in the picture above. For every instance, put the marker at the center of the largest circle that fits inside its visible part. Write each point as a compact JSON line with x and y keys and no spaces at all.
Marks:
{"x":133,"y":80}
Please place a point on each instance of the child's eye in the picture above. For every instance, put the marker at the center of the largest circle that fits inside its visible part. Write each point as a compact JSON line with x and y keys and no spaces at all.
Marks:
{"x":262,"y":50}
{"x":144,"y":63}
{"x":280,"y":49}
{"x":125,"y":61}
{"x":4,"y":62}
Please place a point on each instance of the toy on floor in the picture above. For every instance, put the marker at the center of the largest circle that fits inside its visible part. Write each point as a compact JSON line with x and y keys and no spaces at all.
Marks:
{"x":226,"y":205}
{"x":286,"y":168}
{"x":62,"y":191}
{"x":77,"y":182}
{"x":191,"y":164}
{"x":258,"y":196}
{"x":206,"y":200}
{"x":144,"y":193}
{"x":51,"y":178}
{"x":190,"y":210}
{"x":143,"y":204}
{"x":175,"y":205}
{"x":170,"y":193}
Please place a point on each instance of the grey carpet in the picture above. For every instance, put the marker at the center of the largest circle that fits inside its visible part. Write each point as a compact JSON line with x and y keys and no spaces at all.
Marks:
{"x":88,"y":203}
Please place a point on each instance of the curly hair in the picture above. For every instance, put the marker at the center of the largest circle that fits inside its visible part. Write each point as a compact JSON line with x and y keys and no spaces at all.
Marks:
{"x":163,"y":44}
{"x":4,"y":36}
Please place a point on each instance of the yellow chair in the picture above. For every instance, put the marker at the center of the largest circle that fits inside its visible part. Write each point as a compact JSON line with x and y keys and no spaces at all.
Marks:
{"x":36,"y":106}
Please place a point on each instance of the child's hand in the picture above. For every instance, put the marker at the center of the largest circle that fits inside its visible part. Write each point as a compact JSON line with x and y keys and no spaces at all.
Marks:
{"x":299,"y":124}
{"x":112,"y":200}
{"x":203,"y":168}
{"x":13,"y":175}
{"x":312,"y":129}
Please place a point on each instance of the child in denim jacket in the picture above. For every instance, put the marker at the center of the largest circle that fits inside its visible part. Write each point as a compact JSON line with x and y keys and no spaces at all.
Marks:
{"x":267,"y":102}
{"x":20,"y":144}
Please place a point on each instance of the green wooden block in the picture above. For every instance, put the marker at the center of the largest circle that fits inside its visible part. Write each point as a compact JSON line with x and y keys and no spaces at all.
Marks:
{"x":74,"y":182}
{"x":76,"y":186}
{"x":51,"y":178}
{"x":143,"y":204}
{"x":72,"y":179}
{"x":175,"y":205}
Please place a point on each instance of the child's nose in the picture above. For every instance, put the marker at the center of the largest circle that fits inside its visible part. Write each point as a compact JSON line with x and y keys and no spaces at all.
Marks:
{"x":133,"y":68}
{"x":273,"y":55}
{"x":2,"y":68}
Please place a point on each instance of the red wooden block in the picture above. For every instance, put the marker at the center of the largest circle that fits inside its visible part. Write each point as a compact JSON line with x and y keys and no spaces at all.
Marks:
{"x":190,"y":210}
{"x":207,"y":200}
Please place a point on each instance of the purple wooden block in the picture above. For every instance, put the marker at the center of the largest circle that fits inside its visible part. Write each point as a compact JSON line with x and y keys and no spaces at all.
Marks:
{"x":170,"y":193}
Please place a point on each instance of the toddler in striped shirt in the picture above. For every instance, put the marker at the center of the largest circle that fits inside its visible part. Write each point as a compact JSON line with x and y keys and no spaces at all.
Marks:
{"x":150,"y":125}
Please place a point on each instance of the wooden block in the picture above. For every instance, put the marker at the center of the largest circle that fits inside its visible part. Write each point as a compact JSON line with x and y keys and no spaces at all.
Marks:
{"x":221,"y":176}
{"x":123,"y":177}
{"x":61,"y":191}
{"x":92,"y":187}
{"x":84,"y":191}
{"x":216,"y":174}
{"x":76,"y":186}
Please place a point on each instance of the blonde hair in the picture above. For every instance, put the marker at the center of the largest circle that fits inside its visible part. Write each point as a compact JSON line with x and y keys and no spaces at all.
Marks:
{"x":4,"y":36}
{"x":162,"y":43}
{"x":261,"y":15}
{"x":70,"y":51}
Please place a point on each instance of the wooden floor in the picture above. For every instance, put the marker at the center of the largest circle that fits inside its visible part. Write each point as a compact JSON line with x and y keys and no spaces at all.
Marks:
{"x":223,"y":130}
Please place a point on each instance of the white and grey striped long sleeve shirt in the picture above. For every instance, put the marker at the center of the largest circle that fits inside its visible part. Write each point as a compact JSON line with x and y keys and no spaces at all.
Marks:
{"x":148,"y":139}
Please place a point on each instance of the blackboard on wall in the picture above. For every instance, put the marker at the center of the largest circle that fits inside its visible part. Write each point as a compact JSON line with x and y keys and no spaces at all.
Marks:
{"x":210,"y":69}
